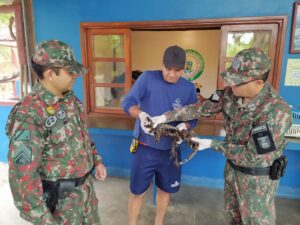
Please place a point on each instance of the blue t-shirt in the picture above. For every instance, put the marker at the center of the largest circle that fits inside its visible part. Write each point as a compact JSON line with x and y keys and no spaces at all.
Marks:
{"x":155,"y":96}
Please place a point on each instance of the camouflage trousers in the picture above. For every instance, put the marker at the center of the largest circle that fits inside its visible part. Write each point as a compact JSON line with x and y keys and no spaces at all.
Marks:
{"x":80,"y":207}
{"x":249,"y":199}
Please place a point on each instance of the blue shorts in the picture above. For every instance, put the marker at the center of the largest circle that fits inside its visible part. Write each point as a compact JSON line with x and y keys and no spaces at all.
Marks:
{"x":147,"y":162}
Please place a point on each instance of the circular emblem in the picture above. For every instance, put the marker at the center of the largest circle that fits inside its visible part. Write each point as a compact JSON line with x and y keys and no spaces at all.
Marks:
{"x":61,"y":114}
{"x":50,"y":121}
{"x":194,"y":65}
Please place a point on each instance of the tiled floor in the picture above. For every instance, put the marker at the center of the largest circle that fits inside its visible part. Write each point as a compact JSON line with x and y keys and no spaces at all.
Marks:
{"x":191,"y":206}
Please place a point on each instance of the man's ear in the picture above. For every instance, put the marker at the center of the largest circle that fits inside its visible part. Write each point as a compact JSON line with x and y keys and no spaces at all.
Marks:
{"x":260,"y":82}
{"x":48,"y":75}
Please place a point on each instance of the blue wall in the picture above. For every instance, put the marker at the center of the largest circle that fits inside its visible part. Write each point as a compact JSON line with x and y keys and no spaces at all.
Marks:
{"x":60,"y":20}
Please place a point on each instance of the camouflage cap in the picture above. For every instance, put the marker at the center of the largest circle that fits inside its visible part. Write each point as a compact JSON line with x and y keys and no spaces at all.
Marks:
{"x":54,"y":53}
{"x":252,"y":62}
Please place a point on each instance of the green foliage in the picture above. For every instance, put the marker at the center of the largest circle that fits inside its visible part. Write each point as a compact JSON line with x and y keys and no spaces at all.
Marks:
{"x":4,"y":18}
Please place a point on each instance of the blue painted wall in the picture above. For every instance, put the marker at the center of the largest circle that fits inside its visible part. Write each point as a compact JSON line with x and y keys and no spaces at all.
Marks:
{"x":60,"y":20}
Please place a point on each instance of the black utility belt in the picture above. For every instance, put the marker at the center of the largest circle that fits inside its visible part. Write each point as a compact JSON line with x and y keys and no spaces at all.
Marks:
{"x":275,"y":171}
{"x":54,"y":190}
{"x":64,"y":186}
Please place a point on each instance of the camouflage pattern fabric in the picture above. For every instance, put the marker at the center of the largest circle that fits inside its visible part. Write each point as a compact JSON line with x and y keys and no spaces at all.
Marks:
{"x":48,"y":139}
{"x":80,"y":207}
{"x":247,"y":63}
{"x":56,"y":53}
{"x":248,"y":199}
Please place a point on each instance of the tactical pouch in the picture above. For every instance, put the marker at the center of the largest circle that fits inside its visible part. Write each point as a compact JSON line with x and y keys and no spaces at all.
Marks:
{"x":134,"y":145}
{"x":50,"y":195}
{"x":65,"y":187}
{"x":278,"y":168}
{"x":54,"y":190}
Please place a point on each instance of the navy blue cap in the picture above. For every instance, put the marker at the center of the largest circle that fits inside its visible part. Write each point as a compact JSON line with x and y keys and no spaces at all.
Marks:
{"x":174,"y":57}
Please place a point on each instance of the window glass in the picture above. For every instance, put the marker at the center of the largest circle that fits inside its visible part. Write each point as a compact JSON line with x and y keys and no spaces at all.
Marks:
{"x":9,"y":60}
{"x":109,"y":97}
{"x":108,"y":46}
{"x":109,"y":72}
{"x":237,"y":41}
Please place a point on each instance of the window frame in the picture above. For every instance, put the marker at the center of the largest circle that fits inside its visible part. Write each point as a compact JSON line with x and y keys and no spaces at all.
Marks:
{"x":89,"y":82}
{"x":16,"y":9}
{"x":95,"y":119}
{"x":19,"y":9}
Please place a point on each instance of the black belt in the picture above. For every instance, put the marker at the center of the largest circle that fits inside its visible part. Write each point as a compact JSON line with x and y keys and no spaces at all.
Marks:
{"x":255,"y":171}
{"x":77,"y":181}
{"x":54,"y":190}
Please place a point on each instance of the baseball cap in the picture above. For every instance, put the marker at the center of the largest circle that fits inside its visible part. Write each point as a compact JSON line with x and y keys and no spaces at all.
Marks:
{"x":174,"y":56}
{"x":54,"y":53}
{"x":252,"y":62}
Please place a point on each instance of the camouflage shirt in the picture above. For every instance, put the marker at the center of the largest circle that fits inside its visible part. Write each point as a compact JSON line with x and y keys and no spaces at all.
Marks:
{"x":48,"y":140}
{"x":266,"y":108}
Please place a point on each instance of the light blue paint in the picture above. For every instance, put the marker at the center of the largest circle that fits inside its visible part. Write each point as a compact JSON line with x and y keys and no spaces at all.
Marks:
{"x":4,"y":111}
{"x":58,"y":19}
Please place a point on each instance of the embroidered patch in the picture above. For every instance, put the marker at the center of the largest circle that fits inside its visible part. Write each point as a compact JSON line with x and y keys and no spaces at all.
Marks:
{"x":50,"y":110}
{"x":61,"y":114}
{"x":23,"y":155}
{"x":50,"y":121}
{"x":23,"y":135}
{"x":259,"y":128}
{"x":262,"y":138}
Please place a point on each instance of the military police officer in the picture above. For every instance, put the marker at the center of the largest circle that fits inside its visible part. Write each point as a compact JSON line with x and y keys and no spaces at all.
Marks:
{"x":50,"y":153}
{"x":256,"y":119}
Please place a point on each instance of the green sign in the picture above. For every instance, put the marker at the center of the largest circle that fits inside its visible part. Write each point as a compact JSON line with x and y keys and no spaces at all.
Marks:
{"x":194,"y":65}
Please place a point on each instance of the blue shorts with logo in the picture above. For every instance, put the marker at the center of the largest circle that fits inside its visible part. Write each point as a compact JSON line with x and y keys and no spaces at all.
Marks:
{"x":147,"y":162}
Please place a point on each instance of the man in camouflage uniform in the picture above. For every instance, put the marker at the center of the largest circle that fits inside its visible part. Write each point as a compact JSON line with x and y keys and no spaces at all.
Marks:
{"x":49,"y":144}
{"x":256,"y":119}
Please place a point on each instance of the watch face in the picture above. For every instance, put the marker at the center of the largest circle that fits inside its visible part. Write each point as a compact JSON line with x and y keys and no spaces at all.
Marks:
{"x":194,"y":65}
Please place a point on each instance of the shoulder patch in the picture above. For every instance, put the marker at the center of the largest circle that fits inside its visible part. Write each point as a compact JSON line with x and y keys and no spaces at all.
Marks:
{"x":262,"y":138}
{"x":22,"y":135}
{"x":23,"y":155}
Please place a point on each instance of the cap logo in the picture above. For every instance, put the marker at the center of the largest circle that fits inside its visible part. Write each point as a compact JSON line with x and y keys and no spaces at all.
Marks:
{"x":236,"y":63}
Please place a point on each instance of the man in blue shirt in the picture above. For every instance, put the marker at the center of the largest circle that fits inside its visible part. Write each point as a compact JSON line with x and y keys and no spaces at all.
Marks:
{"x":154,"y":93}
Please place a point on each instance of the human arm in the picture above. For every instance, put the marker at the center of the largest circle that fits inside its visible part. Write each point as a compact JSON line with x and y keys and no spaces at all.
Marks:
{"x":206,"y":108}
{"x":25,"y":159}
{"x":135,"y":112}
{"x":100,"y":170}
{"x":132,"y":101}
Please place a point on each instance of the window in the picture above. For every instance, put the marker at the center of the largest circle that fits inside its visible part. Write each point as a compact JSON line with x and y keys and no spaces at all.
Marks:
{"x":13,"y":63}
{"x":107,"y":65}
{"x":108,"y":51}
{"x":237,"y":38}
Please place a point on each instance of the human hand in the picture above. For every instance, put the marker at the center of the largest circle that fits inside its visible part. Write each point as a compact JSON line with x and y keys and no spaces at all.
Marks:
{"x":203,"y":143}
{"x":144,"y":122}
{"x":100,"y":172}
{"x":158,"y":120}
{"x":181,"y":126}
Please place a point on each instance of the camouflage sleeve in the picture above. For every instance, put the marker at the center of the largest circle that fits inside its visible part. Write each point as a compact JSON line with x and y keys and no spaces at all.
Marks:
{"x":97,"y":158}
{"x":206,"y":108}
{"x":278,"y":121}
{"x":25,"y":157}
